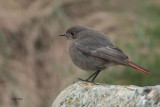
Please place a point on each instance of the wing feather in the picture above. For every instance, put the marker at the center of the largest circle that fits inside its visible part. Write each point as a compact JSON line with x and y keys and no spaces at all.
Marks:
{"x":106,"y":53}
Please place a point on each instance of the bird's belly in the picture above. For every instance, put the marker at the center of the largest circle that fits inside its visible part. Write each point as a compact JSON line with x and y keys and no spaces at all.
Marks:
{"x":87,"y":62}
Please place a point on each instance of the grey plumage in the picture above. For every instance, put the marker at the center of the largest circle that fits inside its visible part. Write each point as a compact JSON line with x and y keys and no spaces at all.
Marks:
{"x":91,"y":50}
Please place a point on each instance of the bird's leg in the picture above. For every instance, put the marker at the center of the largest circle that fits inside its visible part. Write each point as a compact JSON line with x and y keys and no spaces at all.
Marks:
{"x":97,"y":72}
{"x":87,"y":80}
{"x":91,"y":76}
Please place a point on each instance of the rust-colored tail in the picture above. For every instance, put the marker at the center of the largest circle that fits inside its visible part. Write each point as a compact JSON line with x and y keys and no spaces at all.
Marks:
{"x":141,"y":69}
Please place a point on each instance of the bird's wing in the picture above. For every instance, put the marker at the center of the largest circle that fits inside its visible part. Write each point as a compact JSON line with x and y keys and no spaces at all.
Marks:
{"x":96,"y":44}
{"x":109,"y":53}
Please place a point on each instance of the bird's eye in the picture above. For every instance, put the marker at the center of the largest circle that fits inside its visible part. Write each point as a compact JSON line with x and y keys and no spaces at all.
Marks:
{"x":72,"y":33}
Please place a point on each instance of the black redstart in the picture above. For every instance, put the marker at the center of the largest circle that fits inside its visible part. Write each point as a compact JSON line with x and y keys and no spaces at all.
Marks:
{"x":92,"y":50}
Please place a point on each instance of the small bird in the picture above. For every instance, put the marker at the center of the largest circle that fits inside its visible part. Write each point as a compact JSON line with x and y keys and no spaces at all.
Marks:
{"x":92,"y":50}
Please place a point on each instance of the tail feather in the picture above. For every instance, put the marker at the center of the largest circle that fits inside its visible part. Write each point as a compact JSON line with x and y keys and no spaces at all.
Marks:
{"x":135,"y":66}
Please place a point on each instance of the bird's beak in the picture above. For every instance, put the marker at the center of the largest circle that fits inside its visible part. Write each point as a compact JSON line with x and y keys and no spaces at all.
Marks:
{"x":62,"y":34}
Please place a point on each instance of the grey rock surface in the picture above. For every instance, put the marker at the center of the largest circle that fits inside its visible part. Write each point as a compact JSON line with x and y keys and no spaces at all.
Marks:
{"x":85,"y":94}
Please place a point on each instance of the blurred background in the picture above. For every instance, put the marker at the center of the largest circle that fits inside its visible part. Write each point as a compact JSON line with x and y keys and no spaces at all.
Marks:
{"x":34,"y":63}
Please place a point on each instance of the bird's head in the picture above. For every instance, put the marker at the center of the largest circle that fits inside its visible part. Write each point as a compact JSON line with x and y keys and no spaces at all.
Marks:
{"x":73,"y":32}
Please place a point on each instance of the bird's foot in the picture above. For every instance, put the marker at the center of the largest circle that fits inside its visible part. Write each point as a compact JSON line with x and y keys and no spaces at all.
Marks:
{"x":86,"y":80}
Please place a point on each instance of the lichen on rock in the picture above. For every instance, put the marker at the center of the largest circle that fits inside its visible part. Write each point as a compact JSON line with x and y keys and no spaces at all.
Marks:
{"x":85,"y":94}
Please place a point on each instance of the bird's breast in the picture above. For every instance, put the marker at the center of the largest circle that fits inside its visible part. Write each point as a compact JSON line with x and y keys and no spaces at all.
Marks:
{"x":85,"y":61}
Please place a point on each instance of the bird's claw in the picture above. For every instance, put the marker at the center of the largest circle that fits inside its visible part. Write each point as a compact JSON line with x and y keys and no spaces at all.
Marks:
{"x":86,"y":80}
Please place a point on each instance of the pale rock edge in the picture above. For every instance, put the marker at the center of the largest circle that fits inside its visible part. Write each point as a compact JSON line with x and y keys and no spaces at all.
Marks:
{"x":85,"y":94}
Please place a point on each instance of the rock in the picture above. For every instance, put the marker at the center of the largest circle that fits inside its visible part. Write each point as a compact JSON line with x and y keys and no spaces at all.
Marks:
{"x":85,"y":94}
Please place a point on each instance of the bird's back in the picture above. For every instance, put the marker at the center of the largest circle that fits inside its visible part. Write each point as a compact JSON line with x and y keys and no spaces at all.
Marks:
{"x":94,"y":38}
